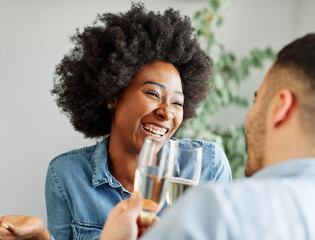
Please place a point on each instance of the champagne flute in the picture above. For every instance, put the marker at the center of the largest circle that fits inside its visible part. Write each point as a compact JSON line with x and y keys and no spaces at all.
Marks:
{"x":153,"y":173}
{"x":190,"y":155}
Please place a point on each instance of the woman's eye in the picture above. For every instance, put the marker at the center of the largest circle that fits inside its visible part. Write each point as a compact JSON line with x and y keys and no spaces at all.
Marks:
{"x":154,"y":94}
{"x":179,"y":104}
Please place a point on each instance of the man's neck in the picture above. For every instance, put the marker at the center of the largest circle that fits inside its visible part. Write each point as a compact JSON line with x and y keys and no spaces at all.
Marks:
{"x":288,"y":144}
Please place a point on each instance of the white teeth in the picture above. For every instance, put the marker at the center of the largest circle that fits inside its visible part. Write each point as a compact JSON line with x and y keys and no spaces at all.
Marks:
{"x":153,"y":135}
{"x":154,"y":131}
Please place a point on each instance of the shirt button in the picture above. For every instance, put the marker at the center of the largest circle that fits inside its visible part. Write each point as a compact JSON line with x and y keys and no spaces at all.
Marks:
{"x":123,"y":192}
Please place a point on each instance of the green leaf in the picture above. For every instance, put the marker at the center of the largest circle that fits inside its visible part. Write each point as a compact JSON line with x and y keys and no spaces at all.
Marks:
{"x":215,"y":4}
{"x":219,"y":21}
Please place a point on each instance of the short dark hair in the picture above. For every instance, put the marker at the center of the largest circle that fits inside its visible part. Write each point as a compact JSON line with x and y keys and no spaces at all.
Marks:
{"x":108,"y":54}
{"x":300,"y":54}
{"x":298,"y":60}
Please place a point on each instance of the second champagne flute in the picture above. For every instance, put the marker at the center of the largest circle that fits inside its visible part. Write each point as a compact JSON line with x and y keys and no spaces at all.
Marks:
{"x":189,"y":156}
{"x":153,"y":173}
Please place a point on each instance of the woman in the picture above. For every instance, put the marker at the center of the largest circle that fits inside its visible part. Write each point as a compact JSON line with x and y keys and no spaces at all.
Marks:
{"x":130,"y":75}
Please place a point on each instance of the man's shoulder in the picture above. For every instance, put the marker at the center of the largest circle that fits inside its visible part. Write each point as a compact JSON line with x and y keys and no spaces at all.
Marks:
{"x":246,"y":209}
{"x":253,"y":187}
{"x":262,"y":197}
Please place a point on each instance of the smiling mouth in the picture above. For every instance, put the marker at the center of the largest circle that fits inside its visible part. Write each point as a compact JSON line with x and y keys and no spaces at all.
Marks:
{"x":154,"y":130}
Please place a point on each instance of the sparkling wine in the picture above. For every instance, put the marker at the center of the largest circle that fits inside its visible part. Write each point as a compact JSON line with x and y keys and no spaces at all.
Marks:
{"x":177,"y":187}
{"x":153,"y":189}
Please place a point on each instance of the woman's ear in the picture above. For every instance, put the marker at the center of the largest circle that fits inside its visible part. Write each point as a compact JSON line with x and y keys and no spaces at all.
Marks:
{"x":114,"y":100}
{"x":282,"y":105}
{"x":111,"y":105}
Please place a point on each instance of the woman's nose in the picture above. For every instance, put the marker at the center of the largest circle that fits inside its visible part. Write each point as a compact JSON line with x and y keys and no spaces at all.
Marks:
{"x":165,"y":111}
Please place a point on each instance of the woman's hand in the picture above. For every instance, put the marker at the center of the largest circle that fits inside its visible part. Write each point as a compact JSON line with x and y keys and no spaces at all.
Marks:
{"x":123,"y":221}
{"x":23,"y":227}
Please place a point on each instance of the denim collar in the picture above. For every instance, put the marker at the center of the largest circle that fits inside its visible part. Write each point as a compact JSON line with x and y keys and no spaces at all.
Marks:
{"x":101,"y":174}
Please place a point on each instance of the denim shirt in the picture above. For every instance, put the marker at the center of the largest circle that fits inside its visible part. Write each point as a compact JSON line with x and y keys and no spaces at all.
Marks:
{"x":80,"y":190}
{"x":276,"y":203}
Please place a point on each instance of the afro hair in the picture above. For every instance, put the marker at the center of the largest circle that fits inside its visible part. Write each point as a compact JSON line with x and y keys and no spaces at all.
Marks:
{"x":108,"y":54}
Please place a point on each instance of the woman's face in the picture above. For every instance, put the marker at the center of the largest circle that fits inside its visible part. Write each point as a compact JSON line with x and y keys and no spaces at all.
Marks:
{"x":151,"y":105}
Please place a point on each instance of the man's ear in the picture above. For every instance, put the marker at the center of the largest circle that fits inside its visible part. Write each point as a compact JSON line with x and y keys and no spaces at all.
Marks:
{"x":283,"y":102}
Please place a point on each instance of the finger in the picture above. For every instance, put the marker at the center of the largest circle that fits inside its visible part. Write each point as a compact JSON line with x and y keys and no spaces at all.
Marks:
{"x":11,"y":228}
{"x":134,"y":205}
{"x":120,"y":207}
{"x":143,"y":227}
{"x":4,"y":224}
{"x":155,"y":220}
{"x":139,"y":222}
{"x":141,"y":231}
{"x":147,"y":224}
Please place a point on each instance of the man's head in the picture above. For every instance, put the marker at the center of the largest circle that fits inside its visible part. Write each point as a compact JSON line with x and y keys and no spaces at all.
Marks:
{"x":281,"y":122}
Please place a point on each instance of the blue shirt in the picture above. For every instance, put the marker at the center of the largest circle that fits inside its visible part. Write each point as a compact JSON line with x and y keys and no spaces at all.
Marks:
{"x":80,"y":190}
{"x":277,"y":203}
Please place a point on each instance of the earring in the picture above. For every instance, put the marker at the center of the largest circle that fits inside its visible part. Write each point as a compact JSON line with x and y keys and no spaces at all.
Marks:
{"x":109,"y":106}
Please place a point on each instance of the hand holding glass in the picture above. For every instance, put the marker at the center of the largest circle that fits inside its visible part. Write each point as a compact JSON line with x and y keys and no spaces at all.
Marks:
{"x":154,"y":170}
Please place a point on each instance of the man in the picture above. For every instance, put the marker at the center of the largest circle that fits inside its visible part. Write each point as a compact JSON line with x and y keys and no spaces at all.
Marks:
{"x":278,"y":200}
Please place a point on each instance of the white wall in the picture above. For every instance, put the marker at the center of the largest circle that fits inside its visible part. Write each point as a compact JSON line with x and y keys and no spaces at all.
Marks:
{"x":253,"y":23}
{"x":34,"y":35}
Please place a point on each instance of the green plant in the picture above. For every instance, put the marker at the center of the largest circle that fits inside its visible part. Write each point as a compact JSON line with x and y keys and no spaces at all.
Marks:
{"x":228,"y":74}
